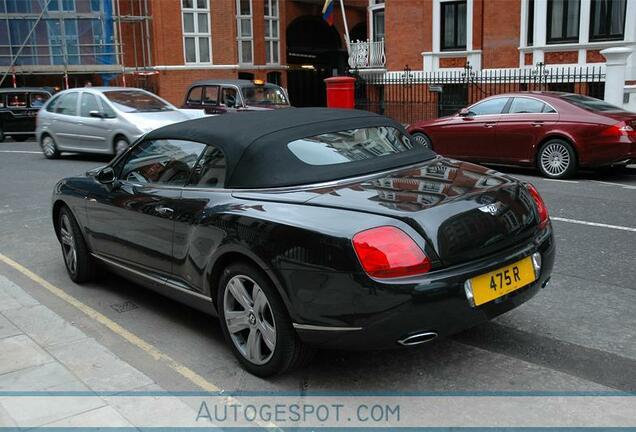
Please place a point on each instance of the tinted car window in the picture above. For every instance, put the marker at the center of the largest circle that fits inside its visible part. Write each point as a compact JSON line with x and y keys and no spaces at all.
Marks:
{"x":211,"y":95}
{"x":228,"y":97}
{"x":38,"y":99}
{"x":17,"y":100}
{"x":590,"y":103}
{"x":264,"y":96}
{"x":51,"y":105}
{"x":210,"y":171}
{"x":131,"y":101}
{"x":67,"y":104}
{"x":88,"y":103}
{"x":521,"y":105}
{"x":162,"y":161}
{"x":195,"y":95}
{"x":350,"y":145}
{"x":492,"y":106}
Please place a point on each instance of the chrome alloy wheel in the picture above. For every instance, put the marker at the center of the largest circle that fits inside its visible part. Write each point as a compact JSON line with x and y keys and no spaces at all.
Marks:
{"x":422,"y":139}
{"x":68,"y":245}
{"x":249,"y":319}
{"x":48,"y":146}
{"x":555,"y":159}
{"x":121,"y":145}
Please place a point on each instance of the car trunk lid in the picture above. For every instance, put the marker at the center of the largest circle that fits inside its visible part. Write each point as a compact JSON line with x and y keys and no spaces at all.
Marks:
{"x":464,"y":211}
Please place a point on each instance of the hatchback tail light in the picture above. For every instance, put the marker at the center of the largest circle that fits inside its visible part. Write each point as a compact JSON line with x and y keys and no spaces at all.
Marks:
{"x":541,"y":207}
{"x":388,"y":252}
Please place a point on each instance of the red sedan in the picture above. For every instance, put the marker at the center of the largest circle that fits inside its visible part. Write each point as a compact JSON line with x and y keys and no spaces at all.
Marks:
{"x":556,"y":132}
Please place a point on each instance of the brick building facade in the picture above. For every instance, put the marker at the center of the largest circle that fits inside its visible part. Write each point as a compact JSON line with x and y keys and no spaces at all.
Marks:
{"x":438,"y":36}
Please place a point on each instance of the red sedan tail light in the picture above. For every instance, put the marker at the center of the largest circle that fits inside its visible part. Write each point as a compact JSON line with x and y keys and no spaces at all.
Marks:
{"x":388,"y":252}
{"x":542,"y":209}
{"x":620,"y":129}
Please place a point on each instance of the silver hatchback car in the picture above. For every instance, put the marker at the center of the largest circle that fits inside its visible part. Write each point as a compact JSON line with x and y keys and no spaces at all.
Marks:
{"x":101,"y":119}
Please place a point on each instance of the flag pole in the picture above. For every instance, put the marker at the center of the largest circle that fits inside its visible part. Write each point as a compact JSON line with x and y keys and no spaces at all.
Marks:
{"x":346,"y":27}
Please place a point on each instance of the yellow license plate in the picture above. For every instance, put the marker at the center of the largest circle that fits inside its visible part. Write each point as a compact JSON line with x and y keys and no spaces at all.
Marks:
{"x":500,"y":282}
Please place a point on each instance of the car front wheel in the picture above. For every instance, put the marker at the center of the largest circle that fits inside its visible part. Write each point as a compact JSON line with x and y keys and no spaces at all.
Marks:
{"x":557,"y":159}
{"x":256,"y":324}
{"x":121,"y":145}
{"x":77,"y":258}
{"x":422,"y":139}
{"x":49,"y":148}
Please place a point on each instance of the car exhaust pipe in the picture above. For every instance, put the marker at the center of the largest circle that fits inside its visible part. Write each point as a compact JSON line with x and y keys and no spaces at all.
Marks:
{"x":417,"y":338}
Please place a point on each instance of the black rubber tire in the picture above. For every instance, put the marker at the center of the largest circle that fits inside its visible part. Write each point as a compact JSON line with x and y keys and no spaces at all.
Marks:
{"x":85,"y":268}
{"x":573,"y":164}
{"x":20,"y":138}
{"x":56,"y":152}
{"x":427,"y":141}
{"x":289,"y":352}
{"x":2,"y":136}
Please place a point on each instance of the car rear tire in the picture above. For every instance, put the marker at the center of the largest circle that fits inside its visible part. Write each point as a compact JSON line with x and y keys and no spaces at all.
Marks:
{"x":557,"y":159}
{"x":49,"y":148}
{"x":1,"y":135}
{"x":79,"y":263}
{"x":121,"y":145}
{"x":422,"y":139}
{"x":256,"y":324}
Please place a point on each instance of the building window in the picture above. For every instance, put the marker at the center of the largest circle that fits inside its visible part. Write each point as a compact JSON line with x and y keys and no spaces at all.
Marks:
{"x":377,"y":20}
{"x":530,"y":22}
{"x":244,"y":31}
{"x":271,"y":32}
{"x":453,"y":25}
{"x":196,"y":30}
{"x":607,"y":20}
{"x":563,"y":21}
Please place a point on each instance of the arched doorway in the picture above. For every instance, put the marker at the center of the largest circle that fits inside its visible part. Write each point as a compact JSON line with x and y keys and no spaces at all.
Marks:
{"x":314,"y":52}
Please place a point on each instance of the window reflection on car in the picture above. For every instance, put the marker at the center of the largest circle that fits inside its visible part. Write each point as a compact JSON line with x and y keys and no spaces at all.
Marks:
{"x":132,"y":101}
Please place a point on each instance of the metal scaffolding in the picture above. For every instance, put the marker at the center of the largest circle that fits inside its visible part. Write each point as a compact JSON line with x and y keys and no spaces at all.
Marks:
{"x":62,"y":37}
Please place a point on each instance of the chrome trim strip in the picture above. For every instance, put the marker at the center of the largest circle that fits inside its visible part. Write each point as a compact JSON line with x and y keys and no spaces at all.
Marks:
{"x":152,"y":278}
{"x":324,"y":328}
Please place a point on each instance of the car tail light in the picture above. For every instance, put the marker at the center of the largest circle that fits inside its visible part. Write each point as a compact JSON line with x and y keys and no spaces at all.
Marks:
{"x":541,"y":207}
{"x":388,"y":252}
{"x":620,"y":129}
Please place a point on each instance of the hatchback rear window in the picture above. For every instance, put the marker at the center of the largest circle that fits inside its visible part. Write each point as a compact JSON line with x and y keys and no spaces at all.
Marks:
{"x":351,"y":145}
{"x":590,"y":103}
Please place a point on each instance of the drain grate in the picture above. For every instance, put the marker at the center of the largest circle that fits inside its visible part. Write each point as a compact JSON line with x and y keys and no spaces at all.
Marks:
{"x":124,"y":307}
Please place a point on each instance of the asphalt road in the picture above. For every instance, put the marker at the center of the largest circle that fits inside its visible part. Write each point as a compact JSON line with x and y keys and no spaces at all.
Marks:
{"x":577,"y":334}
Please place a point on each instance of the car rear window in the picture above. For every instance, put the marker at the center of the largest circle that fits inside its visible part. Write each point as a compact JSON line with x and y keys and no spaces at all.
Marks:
{"x":590,"y":103}
{"x":351,"y":145}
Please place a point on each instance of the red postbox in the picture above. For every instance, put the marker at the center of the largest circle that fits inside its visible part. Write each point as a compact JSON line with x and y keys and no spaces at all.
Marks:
{"x":340,"y":92}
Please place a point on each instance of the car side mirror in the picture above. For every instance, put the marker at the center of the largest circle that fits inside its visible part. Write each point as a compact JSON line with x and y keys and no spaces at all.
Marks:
{"x":464,"y":112}
{"x":106,"y":176}
{"x":96,"y":114}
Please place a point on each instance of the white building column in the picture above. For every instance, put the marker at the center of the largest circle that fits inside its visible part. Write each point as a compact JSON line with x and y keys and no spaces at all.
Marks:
{"x":540,"y":29}
{"x":615,"y":74}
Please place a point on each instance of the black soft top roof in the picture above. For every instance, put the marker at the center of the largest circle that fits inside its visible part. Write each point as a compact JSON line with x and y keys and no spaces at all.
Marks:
{"x":255,"y":144}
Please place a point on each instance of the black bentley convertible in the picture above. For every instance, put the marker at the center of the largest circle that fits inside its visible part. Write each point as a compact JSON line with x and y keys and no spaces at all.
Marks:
{"x":309,"y":228}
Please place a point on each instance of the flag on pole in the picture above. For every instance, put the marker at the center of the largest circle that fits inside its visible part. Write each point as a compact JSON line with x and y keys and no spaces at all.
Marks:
{"x":327,"y":11}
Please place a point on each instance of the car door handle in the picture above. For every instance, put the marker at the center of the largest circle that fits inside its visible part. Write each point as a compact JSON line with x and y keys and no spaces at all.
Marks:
{"x":537,"y":124}
{"x":489,"y":125}
{"x":164,"y":211}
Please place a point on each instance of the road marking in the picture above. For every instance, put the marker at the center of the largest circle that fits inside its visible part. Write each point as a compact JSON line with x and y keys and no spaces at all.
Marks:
{"x":132,"y":338}
{"x":596,"y":224}
{"x":20,"y":151}
{"x":113,"y":326}
{"x":561,"y":181}
{"x":624,"y":186}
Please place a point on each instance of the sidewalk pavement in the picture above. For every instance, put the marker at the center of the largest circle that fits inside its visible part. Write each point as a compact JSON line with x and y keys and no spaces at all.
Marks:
{"x":40,"y":351}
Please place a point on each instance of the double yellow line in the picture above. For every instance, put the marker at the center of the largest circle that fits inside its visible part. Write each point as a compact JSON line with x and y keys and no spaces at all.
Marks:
{"x":135,"y":340}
